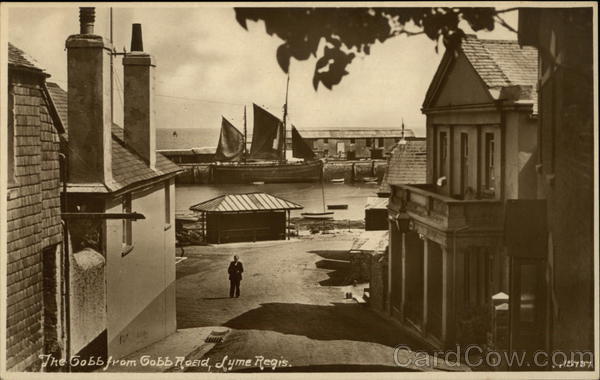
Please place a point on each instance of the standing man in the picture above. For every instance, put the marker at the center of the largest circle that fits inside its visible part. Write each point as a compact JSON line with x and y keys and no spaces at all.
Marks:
{"x":235,"y":276}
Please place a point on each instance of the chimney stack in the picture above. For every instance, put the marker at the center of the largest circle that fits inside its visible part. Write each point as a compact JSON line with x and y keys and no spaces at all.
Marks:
{"x":89,"y":107}
{"x":139,"y":115}
{"x":87,"y":15}
{"x":137,"y":44}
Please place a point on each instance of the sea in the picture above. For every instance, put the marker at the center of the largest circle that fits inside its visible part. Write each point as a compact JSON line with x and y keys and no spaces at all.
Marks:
{"x":186,"y":138}
{"x":308,"y":195}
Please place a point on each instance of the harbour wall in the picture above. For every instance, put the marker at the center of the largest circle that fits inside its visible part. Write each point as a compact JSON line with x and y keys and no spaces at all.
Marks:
{"x":350,"y":171}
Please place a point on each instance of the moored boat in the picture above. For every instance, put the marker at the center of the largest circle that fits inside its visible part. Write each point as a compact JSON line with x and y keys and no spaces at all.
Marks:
{"x":265,"y":172}
{"x":266,"y":162}
{"x":318,"y":215}
{"x":369,"y":179}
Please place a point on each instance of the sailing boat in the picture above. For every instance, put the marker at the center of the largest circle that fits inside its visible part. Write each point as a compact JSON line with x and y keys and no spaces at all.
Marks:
{"x":266,"y":162}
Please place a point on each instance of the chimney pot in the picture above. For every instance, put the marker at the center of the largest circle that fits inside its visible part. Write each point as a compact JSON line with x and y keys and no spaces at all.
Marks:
{"x":87,"y":16}
{"x":137,"y":43}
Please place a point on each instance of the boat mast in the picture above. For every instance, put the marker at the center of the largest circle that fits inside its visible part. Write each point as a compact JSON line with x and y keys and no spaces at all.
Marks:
{"x":285,"y":112}
{"x":244,"y":152}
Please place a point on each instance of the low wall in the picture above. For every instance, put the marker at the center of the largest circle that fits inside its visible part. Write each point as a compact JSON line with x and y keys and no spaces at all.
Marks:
{"x":351,"y":171}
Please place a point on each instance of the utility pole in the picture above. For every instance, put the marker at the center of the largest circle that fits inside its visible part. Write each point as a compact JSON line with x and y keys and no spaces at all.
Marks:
{"x":112,"y":105}
{"x":245,"y":153}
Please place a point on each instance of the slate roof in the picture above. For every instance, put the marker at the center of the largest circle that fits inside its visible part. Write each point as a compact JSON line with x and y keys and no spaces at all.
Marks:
{"x":59,"y":98}
{"x":502,"y":63}
{"x":127,"y":166}
{"x":18,"y":58}
{"x":245,"y":202}
{"x":408,"y":164}
{"x":508,"y":70}
{"x":346,"y":133}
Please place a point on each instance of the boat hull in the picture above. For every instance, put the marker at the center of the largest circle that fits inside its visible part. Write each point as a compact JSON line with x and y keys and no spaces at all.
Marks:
{"x":317,"y":215}
{"x":267,"y":173}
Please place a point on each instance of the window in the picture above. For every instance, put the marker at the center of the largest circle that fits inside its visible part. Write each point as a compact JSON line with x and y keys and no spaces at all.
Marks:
{"x":11,"y":139}
{"x":127,"y":225}
{"x":352,"y":141}
{"x":380,"y":142}
{"x":464,"y":163}
{"x":490,"y":177}
{"x":325,"y":141}
{"x":315,"y":144}
{"x":477,"y":275}
{"x":369,"y":142}
{"x":443,"y":151}
{"x":167,"y":204}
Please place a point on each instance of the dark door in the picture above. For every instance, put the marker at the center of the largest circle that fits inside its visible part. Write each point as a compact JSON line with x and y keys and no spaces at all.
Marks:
{"x":527,"y":305}
{"x":434,"y":289}
{"x":413,"y":305}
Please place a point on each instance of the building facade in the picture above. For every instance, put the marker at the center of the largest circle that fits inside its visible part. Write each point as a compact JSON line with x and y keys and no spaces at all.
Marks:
{"x":446,"y":243}
{"x":101,"y":281}
{"x":354,"y":143}
{"x":34,"y":231}
{"x":123,"y":254}
{"x":565,"y":168}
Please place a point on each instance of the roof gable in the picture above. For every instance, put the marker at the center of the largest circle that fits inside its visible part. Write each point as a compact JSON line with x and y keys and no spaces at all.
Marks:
{"x":498,"y":64}
{"x":461,"y":85}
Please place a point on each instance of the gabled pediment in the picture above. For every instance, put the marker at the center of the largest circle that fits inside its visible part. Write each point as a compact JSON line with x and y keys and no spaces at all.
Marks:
{"x":456,"y":83}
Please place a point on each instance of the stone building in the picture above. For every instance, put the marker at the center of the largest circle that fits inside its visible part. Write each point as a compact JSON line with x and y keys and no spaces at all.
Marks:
{"x":101,"y":282}
{"x":354,"y":143}
{"x":446,"y":241}
{"x":122,"y":254}
{"x":565,"y":171}
{"x":34,"y":231}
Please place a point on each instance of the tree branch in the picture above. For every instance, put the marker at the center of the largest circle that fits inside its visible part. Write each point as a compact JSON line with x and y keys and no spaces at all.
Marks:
{"x":505,"y":24}
{"x":507,"y":10}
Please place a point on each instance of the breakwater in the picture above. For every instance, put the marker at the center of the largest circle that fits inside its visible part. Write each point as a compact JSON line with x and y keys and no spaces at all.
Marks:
{"x":350,"y":171}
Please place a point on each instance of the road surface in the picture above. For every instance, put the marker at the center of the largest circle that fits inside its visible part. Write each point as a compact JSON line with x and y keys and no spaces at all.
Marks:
{"x":292,"y":314}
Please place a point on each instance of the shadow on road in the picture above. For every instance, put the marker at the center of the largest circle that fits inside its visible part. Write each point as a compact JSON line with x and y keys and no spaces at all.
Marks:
{"x":338,"y":321}
{"x":338,"y":262}
{"x":339,"y":272}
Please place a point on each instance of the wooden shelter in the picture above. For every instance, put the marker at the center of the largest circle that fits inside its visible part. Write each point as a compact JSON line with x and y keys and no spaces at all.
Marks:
{"x":245,"y":217}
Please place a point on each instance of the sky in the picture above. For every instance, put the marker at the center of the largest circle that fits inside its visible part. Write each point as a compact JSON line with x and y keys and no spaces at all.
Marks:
{"x":208,"y":66}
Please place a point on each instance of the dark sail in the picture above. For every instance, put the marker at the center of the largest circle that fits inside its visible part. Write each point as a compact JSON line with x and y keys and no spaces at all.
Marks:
{"x":231,"y":143}
{"x":300,"y":148}
{"x":267,"y":142}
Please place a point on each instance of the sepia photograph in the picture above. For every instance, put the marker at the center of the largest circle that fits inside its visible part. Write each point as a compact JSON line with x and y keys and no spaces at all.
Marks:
{"x":299,"y":189}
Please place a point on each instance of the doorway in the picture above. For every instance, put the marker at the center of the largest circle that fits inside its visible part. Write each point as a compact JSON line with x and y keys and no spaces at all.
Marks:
{"x":413,"y":305}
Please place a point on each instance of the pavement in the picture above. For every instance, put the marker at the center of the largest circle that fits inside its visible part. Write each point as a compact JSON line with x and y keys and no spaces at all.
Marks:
{"x":178,"y":347}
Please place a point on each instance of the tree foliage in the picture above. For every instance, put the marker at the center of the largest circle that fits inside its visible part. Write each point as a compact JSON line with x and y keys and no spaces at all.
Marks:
{"x":351,"y":31}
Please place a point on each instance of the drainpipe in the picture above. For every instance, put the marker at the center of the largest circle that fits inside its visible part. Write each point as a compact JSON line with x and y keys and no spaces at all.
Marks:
{"x":64,"y":173}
